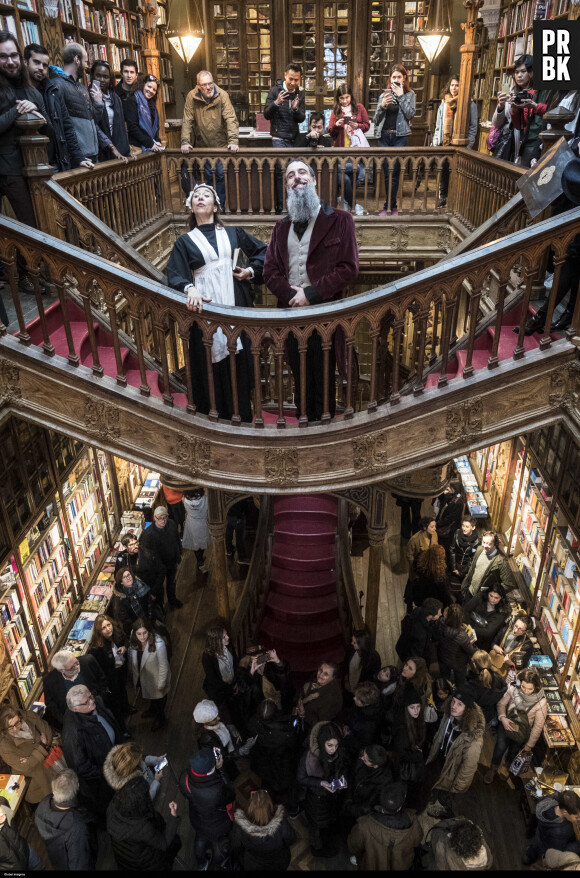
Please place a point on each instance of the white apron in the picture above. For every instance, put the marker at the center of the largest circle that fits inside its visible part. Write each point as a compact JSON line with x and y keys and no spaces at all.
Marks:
{"x":215,"y":281}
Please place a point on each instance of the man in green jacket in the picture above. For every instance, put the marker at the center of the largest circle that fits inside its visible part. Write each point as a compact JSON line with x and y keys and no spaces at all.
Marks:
{"x":489,"y":566}
{"x":209,"y":120}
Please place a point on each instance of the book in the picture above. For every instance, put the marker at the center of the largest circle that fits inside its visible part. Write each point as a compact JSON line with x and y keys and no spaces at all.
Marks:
{"x":548,"y":681}
{"x":540,"y":661}
{"x":557,"y":732}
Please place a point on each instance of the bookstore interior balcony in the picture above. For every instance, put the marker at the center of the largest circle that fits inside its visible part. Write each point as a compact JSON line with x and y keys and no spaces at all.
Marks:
{"x":437,"y":378}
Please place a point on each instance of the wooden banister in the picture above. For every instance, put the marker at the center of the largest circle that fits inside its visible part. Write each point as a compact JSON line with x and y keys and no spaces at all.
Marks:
{"x":349,"y":607}
{"x":251,"y":603}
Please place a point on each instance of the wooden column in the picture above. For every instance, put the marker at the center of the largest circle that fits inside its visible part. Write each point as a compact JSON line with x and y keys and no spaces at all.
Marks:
{"x":376,"y":528}
{"x":152,"y":57}
{"x":36,"y":167}
{"x":216,"y":521}
{"x":467,"y":51}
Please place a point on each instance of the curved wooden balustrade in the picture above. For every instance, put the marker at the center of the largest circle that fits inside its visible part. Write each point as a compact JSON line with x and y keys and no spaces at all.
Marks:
{"x":479,"y":186}
{"x":419,"y":317}
{"x":250,"y":605}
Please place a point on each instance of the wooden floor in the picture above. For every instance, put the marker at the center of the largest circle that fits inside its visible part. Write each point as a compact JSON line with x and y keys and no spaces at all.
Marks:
{"x":495,"y":807}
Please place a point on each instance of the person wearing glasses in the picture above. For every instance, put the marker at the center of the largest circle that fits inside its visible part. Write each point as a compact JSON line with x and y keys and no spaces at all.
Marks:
{"x":89,"y":731}
{"x":209,"y":120}
{"x":111,"y":128}
{"x":69,"y":671}
{"x":25,"y":739}
{"x":142,"y":116}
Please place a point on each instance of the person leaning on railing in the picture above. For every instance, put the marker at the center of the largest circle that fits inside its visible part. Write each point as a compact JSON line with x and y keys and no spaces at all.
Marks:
{"x":142,"y":117}
{"x":111,"y":128}
{"x":522,"y":107}
{"x":395,"y":109}
{"x":201,"y":266}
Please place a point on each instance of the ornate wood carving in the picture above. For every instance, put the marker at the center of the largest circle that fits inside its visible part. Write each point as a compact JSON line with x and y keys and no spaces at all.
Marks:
{"x":399,"y":237}
{"x":370,"y":452}
{"x":281,"y":466}
{"x":9,"y":383}
{"x":465,"y":420}
{"x":102,"y":419}
{"x":192,"y":453}
{"x":565,"y":388}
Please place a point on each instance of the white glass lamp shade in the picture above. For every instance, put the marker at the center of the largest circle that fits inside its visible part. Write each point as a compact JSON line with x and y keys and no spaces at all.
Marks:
{"x":433,"y":44}
{"x":186,"y":45}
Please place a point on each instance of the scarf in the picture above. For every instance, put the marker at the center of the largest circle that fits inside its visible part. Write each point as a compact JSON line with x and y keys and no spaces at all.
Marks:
{"x":149,"y":127}
{"x":226,"y":666}
{"x":526,"y":702}
{"x":25,"y":732}
{"x":448,"y":118}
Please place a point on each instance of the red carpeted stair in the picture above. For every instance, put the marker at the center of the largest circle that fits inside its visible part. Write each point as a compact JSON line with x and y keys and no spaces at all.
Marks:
{"x":482,"y":347}
{"x":82,"y":346}
{"x":301,"y":619}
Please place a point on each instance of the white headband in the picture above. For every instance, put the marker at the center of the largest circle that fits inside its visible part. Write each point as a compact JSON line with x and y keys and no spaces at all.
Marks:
{"x":197,"y":186}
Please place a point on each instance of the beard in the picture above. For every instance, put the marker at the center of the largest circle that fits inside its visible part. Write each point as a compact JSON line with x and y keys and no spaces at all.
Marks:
{"x":302,"y":203}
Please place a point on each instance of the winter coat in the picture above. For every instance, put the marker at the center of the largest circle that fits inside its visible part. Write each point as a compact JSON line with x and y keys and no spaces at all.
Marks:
{"x":273,"y":756}
{"x":55,"y":689}
{"x":118,"y":135}
{"x":141,"y":837}
{"x":419,"y":542}
{"x":251,"y":690}
{"x":385,"y":842}
{"x":497,"y":569}
{"x":454,"y":648}
{"x":262,"y":848}
{"x":63,"y":149}
{"x":423,"y":587}
{"x":332,"y":260}
{"x":10,"y":154}
{"x":565,"y":861}
{"x":449,"y":519}
{"x":407,"y":109}
{"x":195,"y":532}
{"x":527,"y":120}
{"x":552,"y":831}
{"x":142,"y":127}
{"x":83,"y":111}
{"x":364,"y":724}
{"x":443,"y":859}
{"x":519,"y":654}
{"x":462,"y":550}
{"x":13,"y":850}
{"x":130,"y":604}
{"x":13,"y":749}
{"x":463,"y":755}
{"x":284,"y":121}
{"x":208,"y":796}
{"x":493,"y":621}
{"x":364,"y":789}
{"x":322,"y":807}
{"x":417,"y":634}
{"x":337,"y":131}
{"x":154,"y":675}
{"x":487,"y":698}
{"x":536,"y":715}
{"x":164,"y":543}
{"x":209,"y":123}
{"x":438,"y":133}
{"x":369,"y":666}
{"x":85,"y":745}
{"x":321,"y":704}
{"x":145,"y":770}
{"x":70,"y":836}
{"x":402,"y":747}
{"x":213,"y":685}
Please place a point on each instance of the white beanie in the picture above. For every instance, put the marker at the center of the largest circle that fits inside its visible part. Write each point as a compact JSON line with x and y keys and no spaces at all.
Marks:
{"x":205,"y":711}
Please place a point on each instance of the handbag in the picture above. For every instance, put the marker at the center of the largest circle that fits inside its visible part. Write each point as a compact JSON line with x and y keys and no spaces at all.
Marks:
{"x":506,"y":145}
{"x":430,"y":715}
{"x":522,"y":732}
{"x":492,"y":138}
{"x":55,"y":759}
{"x":412,"y":772}
{"x":521,"y":763}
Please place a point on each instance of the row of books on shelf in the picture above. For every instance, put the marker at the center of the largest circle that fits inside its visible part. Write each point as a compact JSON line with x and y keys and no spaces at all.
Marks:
{"x":168,"y":93}
{"x":80,"y":495}
{"x":521,"y":15}
{"x":475,"y":500}
{"x":47,"y":582}
{"x":557,"y":731}
{"x":92,"y":558}
{"x":148,"y":494}
{"x":558,"y":645}
{"x":78,"y":525}
{"x":44,"y":552}
{"x":526,"y":570}
{"x":564,"y":551}
{"x":51,"y":601}
{"x":166,"y":68}
{"x":520,"y":46}
{"x":30,"y":31}
{"x":537,"y":503}
{"x":56,"y":622}
{"x":121,"y":26}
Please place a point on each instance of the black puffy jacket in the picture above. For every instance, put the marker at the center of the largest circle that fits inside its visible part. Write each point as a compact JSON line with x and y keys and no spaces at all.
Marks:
{"x":208,"y":796}
{"x":365,"y":787}
{"x":63,"y":149}
{"x":13,"y":850}
{"x":284,"y":121}
{"x":273,"y":756}
{"x":70,"y":836}
{"x":10,"y":154}
{"x":492,"y":622}
{"x":140,"y":835}
{"x":262,"y":848}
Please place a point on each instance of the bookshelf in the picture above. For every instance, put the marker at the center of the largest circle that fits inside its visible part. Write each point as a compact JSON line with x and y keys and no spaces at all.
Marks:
{"x":165,"y":63}
{"x":18,"y":632}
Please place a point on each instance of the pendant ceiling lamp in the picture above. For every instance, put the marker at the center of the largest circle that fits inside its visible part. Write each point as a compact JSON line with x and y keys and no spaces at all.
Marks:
{"x":185,"y":38}
{"x":438,"y":31}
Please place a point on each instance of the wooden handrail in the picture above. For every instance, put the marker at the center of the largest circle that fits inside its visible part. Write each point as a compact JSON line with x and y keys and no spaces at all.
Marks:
{"x":352,"y":618}
{"x":250,"y":605}
{"x":424,"y":312}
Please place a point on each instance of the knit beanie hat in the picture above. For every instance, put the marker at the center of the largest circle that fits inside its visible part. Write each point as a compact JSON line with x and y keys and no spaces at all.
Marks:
{"x":202,"y":762}
{"x":465,"y":695}
{"x":159,"y":511}
{"x":205,"y":711}
{"x":410,"y":696}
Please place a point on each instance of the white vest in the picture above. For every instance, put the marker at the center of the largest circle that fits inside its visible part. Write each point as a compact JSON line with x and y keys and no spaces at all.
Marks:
{"x":297,"y":255}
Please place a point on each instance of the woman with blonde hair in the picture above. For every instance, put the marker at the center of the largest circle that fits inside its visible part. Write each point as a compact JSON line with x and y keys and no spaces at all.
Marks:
{"x":261,"y":836}
{"x":486,"y":683}
{"x":126,"y":761}
{"x":25,"y":739}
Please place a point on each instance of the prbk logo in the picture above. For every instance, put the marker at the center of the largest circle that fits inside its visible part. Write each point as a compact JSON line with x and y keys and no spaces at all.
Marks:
{"x":556,"y":54}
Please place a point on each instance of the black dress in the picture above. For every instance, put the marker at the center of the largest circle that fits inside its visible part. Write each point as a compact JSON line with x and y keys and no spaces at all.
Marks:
{"x":184,"y":260}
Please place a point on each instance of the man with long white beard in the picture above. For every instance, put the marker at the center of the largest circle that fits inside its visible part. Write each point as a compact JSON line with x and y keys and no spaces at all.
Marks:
{"x":311,"y":257}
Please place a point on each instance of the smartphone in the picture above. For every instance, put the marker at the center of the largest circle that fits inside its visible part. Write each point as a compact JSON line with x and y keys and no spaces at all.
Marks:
{"x":347,"y":119}
{"x":217,"y":753}
{"x":262,"y":658}
{"x":339,"y":783}
{"x":160,"y":765}
{"x":295,"y":723}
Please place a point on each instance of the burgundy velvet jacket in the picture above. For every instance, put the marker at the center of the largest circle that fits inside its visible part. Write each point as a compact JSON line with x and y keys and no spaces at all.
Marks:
{"x":332,"y":260}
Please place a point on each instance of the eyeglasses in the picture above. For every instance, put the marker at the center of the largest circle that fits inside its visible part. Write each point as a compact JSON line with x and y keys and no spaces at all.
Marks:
{"x":86,"y":702}
{"x":15,"y":725}
{"x":151,"y":78}
{"x":14,"y":57}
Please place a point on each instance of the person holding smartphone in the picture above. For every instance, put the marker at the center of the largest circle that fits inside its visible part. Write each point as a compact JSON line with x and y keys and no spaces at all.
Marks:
{"x":285,"y":110}
{"x":395,"y":109}
{"x":348,"y":117}
{"x":523,"y":108}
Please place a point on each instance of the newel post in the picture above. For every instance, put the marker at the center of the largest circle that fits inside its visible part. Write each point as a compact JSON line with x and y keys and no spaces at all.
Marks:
{"x":216,"y":522}
{"x":376,"y":529}
{"x":467,"y":50}
{"x":36,"y":166}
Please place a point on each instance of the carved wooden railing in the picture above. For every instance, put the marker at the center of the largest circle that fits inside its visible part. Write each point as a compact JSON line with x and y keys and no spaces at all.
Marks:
{"x":250,"y":606}
{"x":420,"y":314}
{"x":479,"y":186}
{"x":348,"y":603}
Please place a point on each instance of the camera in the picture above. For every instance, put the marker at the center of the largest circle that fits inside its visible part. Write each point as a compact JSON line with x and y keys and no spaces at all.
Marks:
{"x":521,"y":96}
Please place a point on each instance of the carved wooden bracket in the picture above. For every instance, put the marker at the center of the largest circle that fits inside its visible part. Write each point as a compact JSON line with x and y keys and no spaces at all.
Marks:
{"x":102,"y":419}
{"x":464,"y":421}
{"x":9,"y":383}
{"x":281,"y":465}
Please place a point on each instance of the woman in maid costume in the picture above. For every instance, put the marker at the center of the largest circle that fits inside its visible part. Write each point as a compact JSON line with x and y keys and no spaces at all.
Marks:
{"x":200,"y":266}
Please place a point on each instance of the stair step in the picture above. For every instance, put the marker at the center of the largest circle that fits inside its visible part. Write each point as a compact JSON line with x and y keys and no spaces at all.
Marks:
{"x":305,"y":533}
{"x":478,"y":360}
{"x":318,"y":518}
{"x":306,"y":503}
{"x":59,"y":341}
{"x":307,"y":611}
{"x":298,"y":583}
{"x":304,"y":557}
{"x":318,"y":634}
{"x":508,"y":339}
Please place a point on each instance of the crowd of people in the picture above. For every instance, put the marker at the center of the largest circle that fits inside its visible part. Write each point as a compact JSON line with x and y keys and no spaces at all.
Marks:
{"x":359,"y":752}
